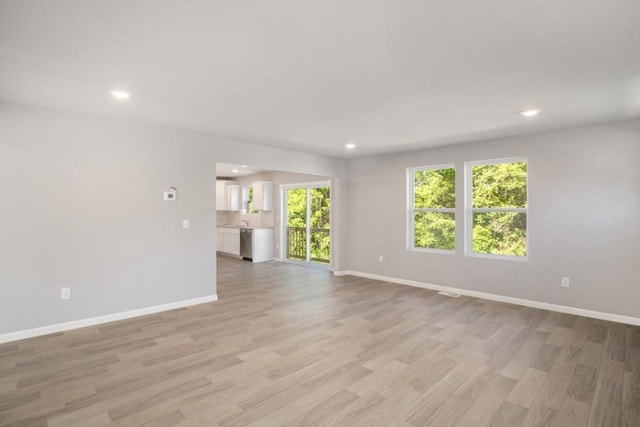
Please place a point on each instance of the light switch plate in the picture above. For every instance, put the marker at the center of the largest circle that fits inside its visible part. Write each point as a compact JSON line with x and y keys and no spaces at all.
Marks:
{"x":65,"y":293}
{"x":186,"y":223}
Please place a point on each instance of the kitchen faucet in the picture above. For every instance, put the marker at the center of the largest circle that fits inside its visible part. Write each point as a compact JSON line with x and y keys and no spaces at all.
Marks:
{"x":246,"y":222}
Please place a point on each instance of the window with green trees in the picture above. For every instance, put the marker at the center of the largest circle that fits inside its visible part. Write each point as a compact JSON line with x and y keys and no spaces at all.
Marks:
{"x":308,"y":223}
{"x":432,"y":208}
{"x":497,"y":208}
{"x":249,"y":194}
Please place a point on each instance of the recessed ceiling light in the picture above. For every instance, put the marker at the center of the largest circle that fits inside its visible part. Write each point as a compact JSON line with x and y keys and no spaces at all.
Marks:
{"x":244,"y":166}
{"x":350,"y":146}
{"x":235,"y":171}
{"x":530,"y":113}
{"x":120,"y":94}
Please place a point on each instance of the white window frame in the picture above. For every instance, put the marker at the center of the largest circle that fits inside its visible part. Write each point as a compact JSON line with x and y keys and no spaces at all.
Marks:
{"x":470,"y":210}
{"x":411,"y":210}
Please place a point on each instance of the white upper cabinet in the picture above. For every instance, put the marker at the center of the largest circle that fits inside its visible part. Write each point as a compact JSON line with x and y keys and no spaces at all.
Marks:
{"x":228,"y":196}
{"x":262,"y":195}
{"x":234,"y":197}
{"x":221,"y":195}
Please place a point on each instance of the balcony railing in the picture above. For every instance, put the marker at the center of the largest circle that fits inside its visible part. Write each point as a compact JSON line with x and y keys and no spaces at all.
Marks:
{"x":297,"y":244}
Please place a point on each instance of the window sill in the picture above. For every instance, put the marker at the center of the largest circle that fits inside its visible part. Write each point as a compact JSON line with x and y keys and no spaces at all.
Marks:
{"x":497,"y":257}
{"x":432,"y":251}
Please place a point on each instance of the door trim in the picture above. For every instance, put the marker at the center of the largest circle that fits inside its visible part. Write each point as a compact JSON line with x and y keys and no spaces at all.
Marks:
{"x":283,"y":222}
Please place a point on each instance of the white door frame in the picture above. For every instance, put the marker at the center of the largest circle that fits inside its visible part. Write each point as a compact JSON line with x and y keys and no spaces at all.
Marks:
{"x":284,"y":216}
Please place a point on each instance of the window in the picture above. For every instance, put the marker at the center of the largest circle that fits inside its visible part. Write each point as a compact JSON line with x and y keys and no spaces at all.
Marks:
{"x":250,"y":209}
{"x":496,"y":208}
{"x":432,"y":202}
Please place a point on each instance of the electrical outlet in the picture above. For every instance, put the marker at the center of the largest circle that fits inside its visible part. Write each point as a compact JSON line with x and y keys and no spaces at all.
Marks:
{"x":185,"y":223}
{"x":564,"y":282}
{"x":169,"y":196}
{"x":380,"y":258}
{"x":65,"y":293}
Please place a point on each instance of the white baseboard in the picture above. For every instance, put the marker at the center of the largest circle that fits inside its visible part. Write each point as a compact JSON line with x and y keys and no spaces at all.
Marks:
{"x":61,"y":327}
{"x":501,"y":298}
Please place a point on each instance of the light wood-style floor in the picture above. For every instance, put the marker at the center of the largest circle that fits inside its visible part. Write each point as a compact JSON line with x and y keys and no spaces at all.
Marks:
{"x":289,"y":345}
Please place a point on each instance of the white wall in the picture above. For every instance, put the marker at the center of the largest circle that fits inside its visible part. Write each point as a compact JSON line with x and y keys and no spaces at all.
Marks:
{"x":584,"y":219}
{"x":81,"y":206}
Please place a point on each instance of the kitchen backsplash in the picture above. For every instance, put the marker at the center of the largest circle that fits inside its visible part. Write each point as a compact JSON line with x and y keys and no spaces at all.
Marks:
{"x":262,"y":219}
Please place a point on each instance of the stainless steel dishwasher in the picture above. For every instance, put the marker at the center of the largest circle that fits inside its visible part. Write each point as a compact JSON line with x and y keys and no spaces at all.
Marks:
{"x":246,"y":235}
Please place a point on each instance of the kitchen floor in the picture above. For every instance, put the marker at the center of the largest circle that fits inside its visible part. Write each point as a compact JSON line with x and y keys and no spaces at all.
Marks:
{"x":290,"y":345}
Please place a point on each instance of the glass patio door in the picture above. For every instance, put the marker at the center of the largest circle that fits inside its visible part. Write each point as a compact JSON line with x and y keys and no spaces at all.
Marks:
{"x":308,"y":224}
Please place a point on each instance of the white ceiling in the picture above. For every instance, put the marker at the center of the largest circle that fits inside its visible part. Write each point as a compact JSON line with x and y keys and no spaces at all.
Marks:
{"x":312,"y":75}
{"x":227,"y":170}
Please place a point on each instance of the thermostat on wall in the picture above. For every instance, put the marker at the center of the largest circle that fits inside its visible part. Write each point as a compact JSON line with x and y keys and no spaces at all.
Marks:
{"x":171,"y":194}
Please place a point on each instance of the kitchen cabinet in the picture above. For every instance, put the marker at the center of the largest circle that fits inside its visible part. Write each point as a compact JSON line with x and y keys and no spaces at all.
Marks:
{"x":221,"y":195}
{"x":234,"y":196}
{"x":228,"y":196}
{"x":228,"y":240}
{"x":262,"y":245}
{"x":262,"y":195}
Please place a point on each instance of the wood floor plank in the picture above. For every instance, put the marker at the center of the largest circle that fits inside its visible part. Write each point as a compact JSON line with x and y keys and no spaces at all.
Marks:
{"x":597,"y":333}
{"x":583,"y":384}
{"x":527,"y":388}
{"x":353,"y":412}
{"x":546,"y":357}
{"x":540,"y":415}
{"x":592,"y":354}
{"x":519,"y":363}
{"x":550,"y":322}
{"x":311,"y":412}
{"x":548,"y":401}
{"x":290,"y":345}
{"x":607,"y":405}
{"x":508,"y":415}
{"x":389,"y":410}
{"x":99,"y":420}
{"x":432,"y":404}
{"x":488,"y":402}
{"x":432,"y":375}
{"x":558,"y":336}
{"x":631,"y":400}
{"x":573,"y":413}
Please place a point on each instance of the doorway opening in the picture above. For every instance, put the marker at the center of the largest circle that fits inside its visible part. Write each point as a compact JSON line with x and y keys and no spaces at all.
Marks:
{"x":307,"y":223}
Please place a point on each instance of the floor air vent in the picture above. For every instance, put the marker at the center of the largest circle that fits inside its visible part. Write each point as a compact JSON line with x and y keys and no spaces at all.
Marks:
{"x":449,"y":294}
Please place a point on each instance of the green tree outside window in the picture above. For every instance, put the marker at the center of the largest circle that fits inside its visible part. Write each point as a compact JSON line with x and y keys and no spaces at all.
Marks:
{"x":433,"y":208}
{"x":499,"y":208}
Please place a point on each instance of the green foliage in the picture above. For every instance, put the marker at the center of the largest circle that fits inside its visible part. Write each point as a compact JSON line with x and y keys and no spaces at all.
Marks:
{"x":500,"y":233}
{"x":250,"y":208}
{"x":320,"y":220}
{"x":436,"y":230}
{"x":502,"y":185}
{"x":320,"y":223}
{"x":434,"y":189}
{"x":297,"y":207}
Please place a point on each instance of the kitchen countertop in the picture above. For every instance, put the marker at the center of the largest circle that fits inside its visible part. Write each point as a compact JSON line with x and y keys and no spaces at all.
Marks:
{"x":253,"y":227}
